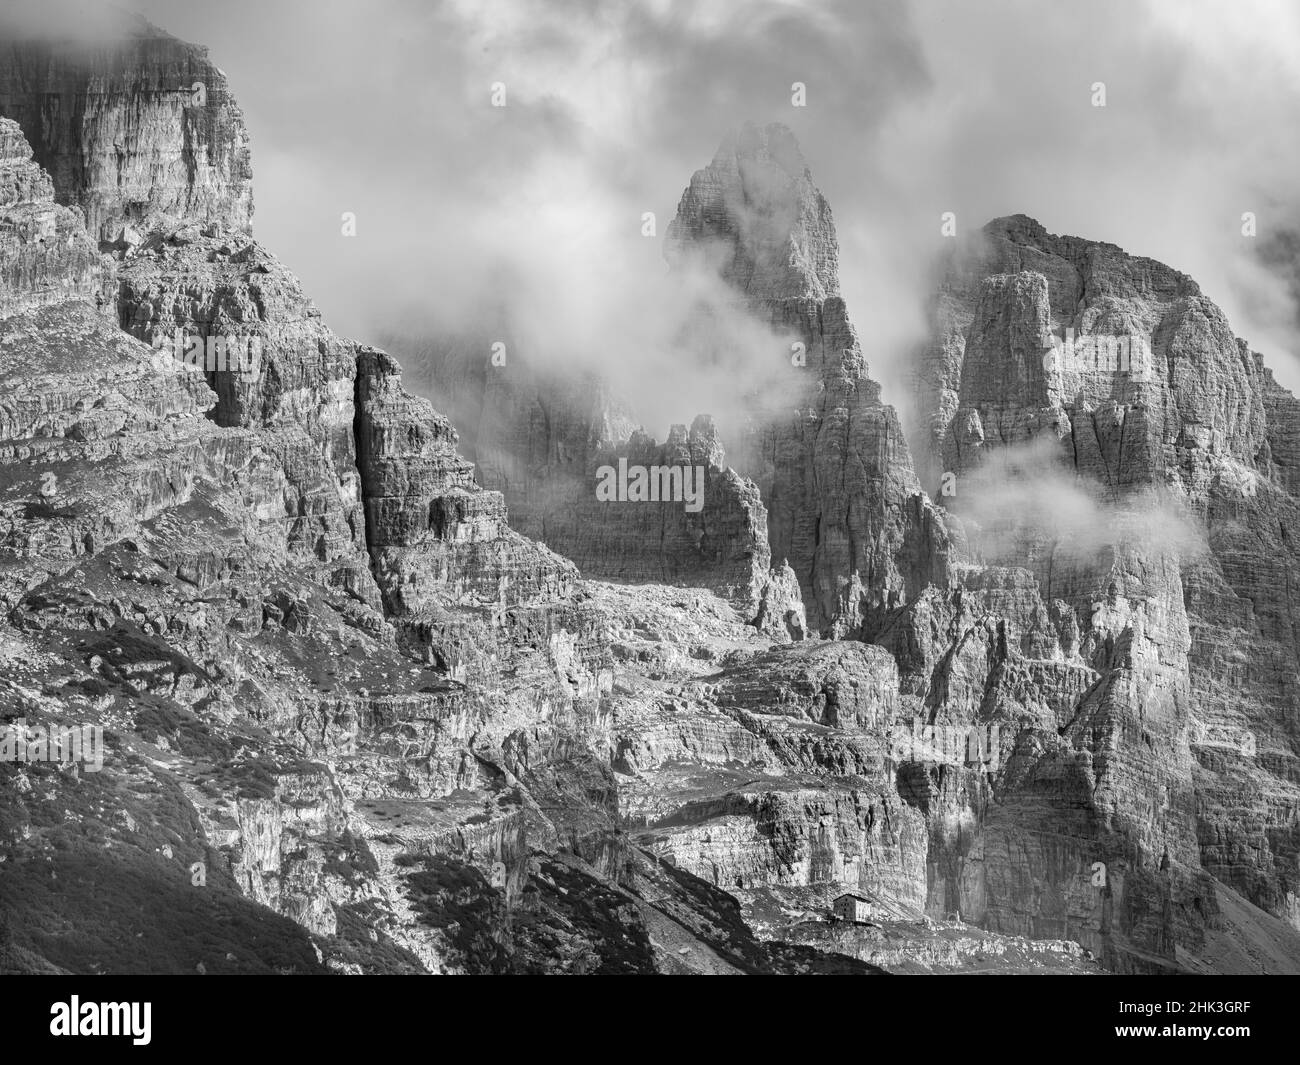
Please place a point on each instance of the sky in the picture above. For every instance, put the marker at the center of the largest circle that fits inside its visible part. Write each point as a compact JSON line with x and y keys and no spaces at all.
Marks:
{"x":528,"y":218}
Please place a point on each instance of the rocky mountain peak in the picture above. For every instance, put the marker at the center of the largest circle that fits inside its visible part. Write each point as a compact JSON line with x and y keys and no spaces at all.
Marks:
{"x":756,"y":215}
{"x":1007,"y":297}
{"x":756,"y":219}
{"x":1019,"y":229}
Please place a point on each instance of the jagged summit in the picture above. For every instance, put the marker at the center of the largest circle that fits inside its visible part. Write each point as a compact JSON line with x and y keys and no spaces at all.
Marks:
{"x":757,"y":200}
{"x":1010,"y":234}
{"x":1012,"y":225}
{"x":1016,"y":287}
{"x":755,"y":216}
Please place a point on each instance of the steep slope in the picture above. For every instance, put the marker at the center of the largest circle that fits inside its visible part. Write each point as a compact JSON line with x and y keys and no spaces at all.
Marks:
{"x":45,"y":256}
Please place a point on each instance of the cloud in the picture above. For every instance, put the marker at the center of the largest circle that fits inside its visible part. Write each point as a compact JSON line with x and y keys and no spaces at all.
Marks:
{"x":1025,"y":504}
{"x":74,"y":21}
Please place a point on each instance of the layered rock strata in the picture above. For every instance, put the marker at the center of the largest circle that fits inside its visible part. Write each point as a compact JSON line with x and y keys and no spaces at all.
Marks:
{"x":45,"y":256}
{"x":1110,"y":500}
{"x":134,"y":130}
{"x":329,"y":675}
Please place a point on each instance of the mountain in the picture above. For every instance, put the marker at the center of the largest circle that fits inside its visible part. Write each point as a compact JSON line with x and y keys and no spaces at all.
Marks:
{"x":829,"y":457}
{"x":1138,"y":521}
{"x":134,"y":133}
{"x":359,"y":718}
{"x":352,"y":721}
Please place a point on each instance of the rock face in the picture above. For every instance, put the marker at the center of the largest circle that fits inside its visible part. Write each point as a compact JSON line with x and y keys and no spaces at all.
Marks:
{"x":1017,"y":288}
{"x":530,"y":431}
{"x":844,"y":505}
{"x":132,"y":132}
{"x":670,"y":513}
{"x":281,"y":371}
{"x":772,"y":227}
{"x":1104,"y":508}
{"x":542,"y":438}
{"x":435,"y":535}
{"x":45,"y":256}
{"x":210,"y":522}
{"x":828,"y":459}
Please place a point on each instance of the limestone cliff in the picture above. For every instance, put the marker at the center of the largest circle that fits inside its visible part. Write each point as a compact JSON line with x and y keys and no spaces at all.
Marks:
{"x":134,"y":131}
{"x":45,"y":256}
{"x":340,"y":694}
{"x":1116,"y":500}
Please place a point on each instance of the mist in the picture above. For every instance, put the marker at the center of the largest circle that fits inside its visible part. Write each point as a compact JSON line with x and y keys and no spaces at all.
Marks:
{"x":1025,"y":499}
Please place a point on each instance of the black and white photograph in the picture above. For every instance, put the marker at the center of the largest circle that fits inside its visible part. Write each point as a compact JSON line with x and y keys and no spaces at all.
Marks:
{"x":575,"y":487}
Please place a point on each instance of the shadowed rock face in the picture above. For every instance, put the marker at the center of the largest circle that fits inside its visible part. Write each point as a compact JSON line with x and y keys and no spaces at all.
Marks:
{"x":540,"y":437}
{"x":435,"y":535}
{"x":45,"y":256}
{"x":717,"y":539}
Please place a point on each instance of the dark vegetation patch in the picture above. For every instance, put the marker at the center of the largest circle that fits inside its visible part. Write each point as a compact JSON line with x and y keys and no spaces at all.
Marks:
{"x":454,"y":897}
{"x":96,"y":879}
{"x":576,"y":924}
{"x":380,"y":956}
{"x":124,"y":912}
{"x":183,"y":731}
{"x":349,"y":858}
